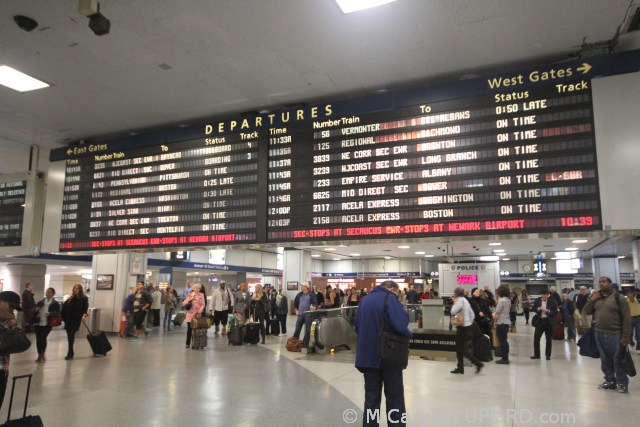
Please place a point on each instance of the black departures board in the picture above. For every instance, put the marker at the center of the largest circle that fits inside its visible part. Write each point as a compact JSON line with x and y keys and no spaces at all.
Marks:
{"x":479,"y":165}
{"x":197,"y":192}
{"x":12,"y":200}
{"x":505,"y":154}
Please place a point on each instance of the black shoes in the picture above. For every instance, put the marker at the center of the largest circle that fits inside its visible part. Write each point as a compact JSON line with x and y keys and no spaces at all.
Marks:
{"x":534,"y":357}
{"x":502,"y":362}
{"x":457,"y":371}
{"x":479,"y":367}
{"x":548,"y":357}
{"x":69,"y":357}
{"x":607,"y":385}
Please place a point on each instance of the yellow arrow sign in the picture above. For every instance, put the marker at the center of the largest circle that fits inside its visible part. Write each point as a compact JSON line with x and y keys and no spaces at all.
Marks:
{"x":585,"y":68}
{"x":69,"y":151}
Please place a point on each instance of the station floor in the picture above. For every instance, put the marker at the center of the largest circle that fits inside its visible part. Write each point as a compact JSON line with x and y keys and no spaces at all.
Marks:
{"x":158,"y":382}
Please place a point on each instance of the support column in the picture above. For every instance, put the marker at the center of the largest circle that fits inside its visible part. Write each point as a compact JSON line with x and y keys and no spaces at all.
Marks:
{"x":297,"y":268}
{"x":606,"y":267}
{"x":125,"y":268}
{"x":635,"y":246}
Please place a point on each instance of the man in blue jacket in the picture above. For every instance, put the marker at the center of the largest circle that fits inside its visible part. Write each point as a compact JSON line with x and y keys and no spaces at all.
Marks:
{"x":377,"y":374}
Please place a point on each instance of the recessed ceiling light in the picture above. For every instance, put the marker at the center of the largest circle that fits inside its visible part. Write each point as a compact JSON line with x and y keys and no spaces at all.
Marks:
{"x":429,"y":256}
{"x":315,"y":256}
{"x":336,"y":259}
{"x":354,"y":254}
{"x":498,"y":250}
{"x":495,"y":244}
{"x":387,"y":257}
{"x":570,"y":249}
{"x":621,"y":257}
{"x":330,"y":249}
{"x":489,"y":258}
{"x":19,"y":81}
{"x":506,"y":259}
{"x":420,"y":253}
{"x":579,"y":241}
{"x":404,"y":247}
{"x":348,"y":6}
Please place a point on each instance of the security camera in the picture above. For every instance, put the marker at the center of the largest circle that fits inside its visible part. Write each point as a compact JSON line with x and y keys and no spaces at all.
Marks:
{"x":25,"y":23}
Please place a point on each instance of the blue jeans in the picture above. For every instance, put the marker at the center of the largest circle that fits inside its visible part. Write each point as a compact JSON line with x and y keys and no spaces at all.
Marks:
{"x":611,"y":353}
{"x":374,"y":379}
{"x":635,"y":326}
{"x":166,"y":323}
{"x":501,"y":331}
{"x":299,"y":324}
{"x":571,"y":327}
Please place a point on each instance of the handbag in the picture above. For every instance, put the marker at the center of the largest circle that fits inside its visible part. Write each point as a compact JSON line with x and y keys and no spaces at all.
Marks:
{"x":393,"y":349}
{"x":587,"y":344}
{"x":55,"y":320}
{"x":188,"y":306}
{"x":13,"y":341}
{"x":535,"y":320}
{"x":458,"y":319}
{"x":627,"y":363}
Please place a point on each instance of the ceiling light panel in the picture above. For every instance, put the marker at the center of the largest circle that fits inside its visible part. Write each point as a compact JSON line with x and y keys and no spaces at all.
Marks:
{"x":348,"y":6}
{"x":19,"y":81}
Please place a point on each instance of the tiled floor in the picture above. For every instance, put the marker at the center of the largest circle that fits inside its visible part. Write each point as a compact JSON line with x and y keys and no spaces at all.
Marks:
{"x":157,"y":382}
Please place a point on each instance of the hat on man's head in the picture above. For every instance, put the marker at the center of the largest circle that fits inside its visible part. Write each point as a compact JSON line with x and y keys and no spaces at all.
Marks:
{"x":12,"y":298}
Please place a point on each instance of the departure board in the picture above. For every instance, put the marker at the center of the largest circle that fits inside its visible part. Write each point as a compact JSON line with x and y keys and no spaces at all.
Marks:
{"x":511,"y":153}
{"x":12,"y":201}
{"x":188,"y":193}
{"x":505,"y":162}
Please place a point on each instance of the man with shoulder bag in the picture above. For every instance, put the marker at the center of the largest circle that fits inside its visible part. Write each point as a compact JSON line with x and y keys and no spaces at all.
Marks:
{"x":612,"y":332}
{"x":381,"y":314}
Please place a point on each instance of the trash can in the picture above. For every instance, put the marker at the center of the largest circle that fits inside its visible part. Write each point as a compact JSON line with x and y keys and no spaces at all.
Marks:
{"x":94,"y":319}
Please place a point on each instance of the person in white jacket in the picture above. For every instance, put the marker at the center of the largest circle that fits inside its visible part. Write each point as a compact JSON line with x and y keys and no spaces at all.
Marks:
{"x":464,"y":336}
{"x":222,"y":301}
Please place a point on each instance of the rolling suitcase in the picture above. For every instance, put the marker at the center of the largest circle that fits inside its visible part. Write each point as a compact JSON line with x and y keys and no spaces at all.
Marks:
{"x":31,"y":420}
{"x":482,"y":348}
{"x":558,"y":332}
{"x":236,"y":335}
{"x":199,"y":338}
{"x":275,"y":327}
{"x":252,"y":333}
{"x":98,"y":341}
{"x":178,"y":319}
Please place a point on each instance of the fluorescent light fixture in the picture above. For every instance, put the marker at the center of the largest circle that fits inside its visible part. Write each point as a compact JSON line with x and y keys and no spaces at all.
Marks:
{"x":495,"y":244}
{"x":495,"y":251}
{"x":420,"y":253}
{"x":489,"y":258}
{"x":336,"y":259}
{"x":315,"y":256}
{"x":16,"y":80}
{"x":348,"y":6}
{"x":404,"y":247}
{"x":621,"y":257}
{"x":330,"y":249}
{"x":354,"y":254}
{"x":429,"y":256}
{"x":579,"y":241}
{"x":506,"y":259}
{"x":570,"y":249}
{"x":387,"y":257}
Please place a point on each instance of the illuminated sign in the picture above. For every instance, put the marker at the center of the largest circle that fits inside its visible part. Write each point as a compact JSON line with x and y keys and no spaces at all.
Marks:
{"x":467,"y":279}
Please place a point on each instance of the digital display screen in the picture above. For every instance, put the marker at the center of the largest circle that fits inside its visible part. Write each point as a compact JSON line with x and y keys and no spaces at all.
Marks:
{"x":12,"y":200}
{"x":467,"y":279}
{"x":500,"y":161}
{"x":480,"y":165}
{"x":190,"y":193}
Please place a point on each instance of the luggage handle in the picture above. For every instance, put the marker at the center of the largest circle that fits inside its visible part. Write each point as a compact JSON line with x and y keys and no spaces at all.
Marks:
{"x":26,"y":399}
{"x":85,"y":325}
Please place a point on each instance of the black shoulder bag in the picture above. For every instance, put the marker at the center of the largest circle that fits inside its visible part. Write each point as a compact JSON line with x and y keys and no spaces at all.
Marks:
{"x":393,"y":349}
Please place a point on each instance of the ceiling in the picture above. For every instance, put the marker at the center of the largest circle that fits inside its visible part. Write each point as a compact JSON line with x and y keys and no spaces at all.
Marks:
{"x":168,"y":63}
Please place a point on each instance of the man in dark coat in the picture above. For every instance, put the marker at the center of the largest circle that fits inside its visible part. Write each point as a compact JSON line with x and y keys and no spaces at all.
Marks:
{"x":28,"y":306}
{"x":376,"y":374}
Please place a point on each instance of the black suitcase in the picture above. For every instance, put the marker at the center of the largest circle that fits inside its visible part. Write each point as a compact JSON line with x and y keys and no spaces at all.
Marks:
{"x":275,"y":327}
{"x":252,"y":333}
{"x":29,"y":421}
{"x":482,"y":348}
{"x":98,"y":341}
{"x":236,"y":335}
{"x":178,"y":320}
